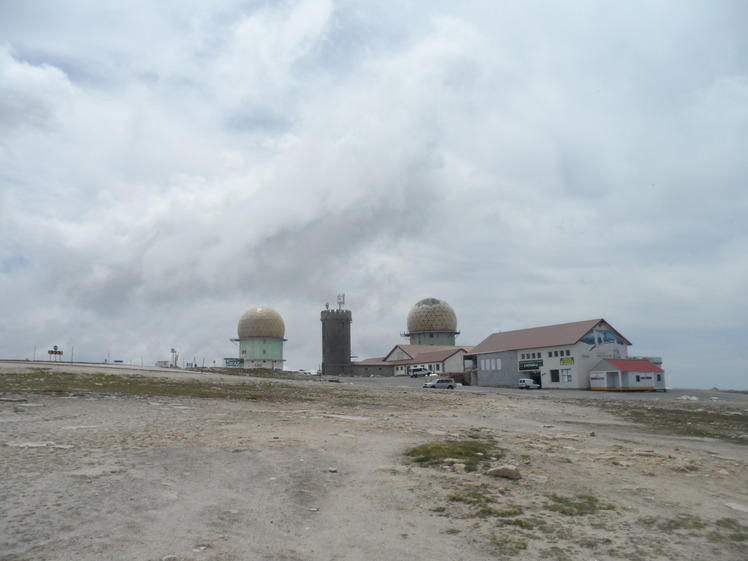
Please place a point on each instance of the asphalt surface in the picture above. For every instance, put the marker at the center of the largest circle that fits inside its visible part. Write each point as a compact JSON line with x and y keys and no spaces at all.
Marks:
{"x":672,"y":394}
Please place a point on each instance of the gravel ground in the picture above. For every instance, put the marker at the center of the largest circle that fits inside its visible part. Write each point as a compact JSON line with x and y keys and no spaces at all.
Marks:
{"x":102,"y":476}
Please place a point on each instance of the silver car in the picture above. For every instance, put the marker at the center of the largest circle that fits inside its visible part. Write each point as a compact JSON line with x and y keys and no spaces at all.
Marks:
{"x":443,"y":383}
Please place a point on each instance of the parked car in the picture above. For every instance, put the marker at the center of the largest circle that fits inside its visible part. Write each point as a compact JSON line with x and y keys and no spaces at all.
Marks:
{"x":417,"y":371}
{"x":528,"y":384}
{"x":443,"y":383}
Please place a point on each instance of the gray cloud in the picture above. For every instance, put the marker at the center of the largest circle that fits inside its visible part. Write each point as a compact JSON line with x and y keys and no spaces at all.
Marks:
{"x":164,"y":167}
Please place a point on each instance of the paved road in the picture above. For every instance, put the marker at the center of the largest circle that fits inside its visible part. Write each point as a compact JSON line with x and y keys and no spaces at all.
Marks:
{"x":672,"y":393}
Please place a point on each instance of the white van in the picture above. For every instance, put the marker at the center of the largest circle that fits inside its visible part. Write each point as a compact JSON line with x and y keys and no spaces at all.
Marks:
{"x":416,"y":371}
{"x":528,"y":384}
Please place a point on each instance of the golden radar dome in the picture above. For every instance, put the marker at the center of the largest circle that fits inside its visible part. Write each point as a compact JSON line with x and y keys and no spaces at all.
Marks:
{"x":261,"y":322}
{"x":432,"y":314}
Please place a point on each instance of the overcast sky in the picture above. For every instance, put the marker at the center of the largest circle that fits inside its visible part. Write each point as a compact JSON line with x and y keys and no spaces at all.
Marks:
{"x":165,"y":166}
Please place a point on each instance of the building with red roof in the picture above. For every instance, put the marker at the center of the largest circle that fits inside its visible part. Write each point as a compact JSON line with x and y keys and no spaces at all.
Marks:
{"x":631,"y":374}
{"x":554,"y":356}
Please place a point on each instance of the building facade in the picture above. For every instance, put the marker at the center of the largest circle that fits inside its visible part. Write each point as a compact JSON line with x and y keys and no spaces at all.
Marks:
{"x":440,"y":360}
{"x":555,"y":356}
{"x":633,"y":374}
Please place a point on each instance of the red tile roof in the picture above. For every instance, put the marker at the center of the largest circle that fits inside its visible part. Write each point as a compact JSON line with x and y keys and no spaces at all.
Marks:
{"x":538,"y":337}
{"x":633,"y":365}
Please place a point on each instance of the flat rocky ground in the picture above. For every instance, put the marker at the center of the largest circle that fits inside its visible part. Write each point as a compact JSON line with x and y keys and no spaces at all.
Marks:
{"x":319,"y":471}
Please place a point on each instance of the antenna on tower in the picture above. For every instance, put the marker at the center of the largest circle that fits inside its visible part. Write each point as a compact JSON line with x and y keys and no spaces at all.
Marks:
{"x":341,"y":301}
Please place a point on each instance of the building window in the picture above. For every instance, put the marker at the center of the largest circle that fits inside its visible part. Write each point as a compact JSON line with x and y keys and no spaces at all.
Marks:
{"x":638,"y":378}
{"x":566,"y":374}
{"x":522,"y":356}
{"x":568,"y":352}
{"x":264,"y":351}
{"x":555,"y":353}
{"x":554,"y":376}
{"x":659,"y":377}
{"x":550,"y":354}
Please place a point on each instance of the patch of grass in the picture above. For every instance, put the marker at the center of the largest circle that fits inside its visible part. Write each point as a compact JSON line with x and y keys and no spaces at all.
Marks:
{"x":452,"y":531}
{"x":483,"y":501}
{"x":594,"y":543}
{"x":43,"y":381}
{"x":579,"y":505}
{"x":725,"y":530}
{"x":510,"y":510}
{"x":472,"y":497}
{"x":530,"y":523}
{"x":555,"y":552}
{"x":509,"y":547}
{"x":729,"y":530}
{"x":680,"y":522}
{"x":470,"y":451}
{"x":685,"y":420}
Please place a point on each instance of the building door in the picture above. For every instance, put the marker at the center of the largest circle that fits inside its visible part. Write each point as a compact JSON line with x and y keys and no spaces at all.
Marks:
{"x":612,"y":381}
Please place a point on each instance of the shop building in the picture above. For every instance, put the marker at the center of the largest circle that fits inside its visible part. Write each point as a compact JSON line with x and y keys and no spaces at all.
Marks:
{"x":633,"y":374}
{"x":554,"y":356}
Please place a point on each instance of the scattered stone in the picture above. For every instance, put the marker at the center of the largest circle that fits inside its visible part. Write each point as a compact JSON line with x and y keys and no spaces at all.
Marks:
{"x":505,"y":471}
{"x":592,"y":433}
{"x":333,"y":470}
{"x":738,"y":507}
{"x":169,"y":558}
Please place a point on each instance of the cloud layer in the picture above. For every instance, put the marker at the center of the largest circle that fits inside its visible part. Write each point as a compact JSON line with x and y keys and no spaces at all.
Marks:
{"x":164,"y":167}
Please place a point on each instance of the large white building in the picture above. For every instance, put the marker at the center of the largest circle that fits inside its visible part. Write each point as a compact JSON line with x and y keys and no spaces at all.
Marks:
{"x":554,"y":356}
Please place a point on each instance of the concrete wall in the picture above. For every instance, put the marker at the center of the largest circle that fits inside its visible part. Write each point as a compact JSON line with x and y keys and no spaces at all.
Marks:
{"x":261,"y":348}
{"x":433,"y":338}
{"x":377,"y":370}
{"x":496,"y":369}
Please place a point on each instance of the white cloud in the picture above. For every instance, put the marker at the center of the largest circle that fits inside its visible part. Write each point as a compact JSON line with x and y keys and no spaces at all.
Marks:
{"x":164,"y":167}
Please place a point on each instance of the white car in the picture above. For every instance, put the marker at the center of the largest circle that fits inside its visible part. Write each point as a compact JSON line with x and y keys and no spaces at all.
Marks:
{"x":528,"y":384}
{"x":443,"y":383}
{"x":417,"y":371}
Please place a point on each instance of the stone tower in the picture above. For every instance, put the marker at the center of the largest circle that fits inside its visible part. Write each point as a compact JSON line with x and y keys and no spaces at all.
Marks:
{"x":336,"y":340}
